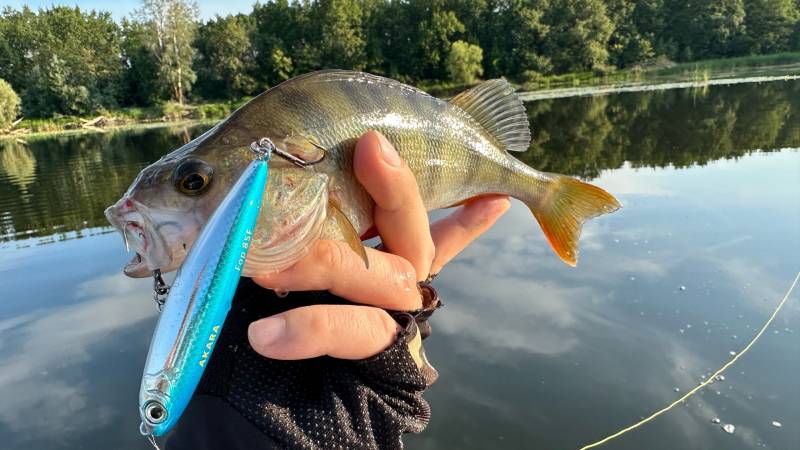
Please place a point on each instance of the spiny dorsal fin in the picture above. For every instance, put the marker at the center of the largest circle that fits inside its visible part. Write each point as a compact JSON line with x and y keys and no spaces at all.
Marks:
{"x":497,"y":108}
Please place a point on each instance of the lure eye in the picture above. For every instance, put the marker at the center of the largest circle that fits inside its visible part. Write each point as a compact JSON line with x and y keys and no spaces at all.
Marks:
{"x":155,"y":412}
{"x":192,"y":177}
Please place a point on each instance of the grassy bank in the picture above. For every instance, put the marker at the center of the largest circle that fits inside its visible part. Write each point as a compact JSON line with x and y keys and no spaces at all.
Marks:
{"x":655,"y":71}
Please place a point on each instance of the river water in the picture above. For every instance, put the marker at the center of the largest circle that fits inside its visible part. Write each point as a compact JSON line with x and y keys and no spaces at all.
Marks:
{"x":531,"y":353}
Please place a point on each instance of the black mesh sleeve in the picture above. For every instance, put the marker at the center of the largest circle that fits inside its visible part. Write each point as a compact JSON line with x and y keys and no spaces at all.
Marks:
{"x":309,"y":404}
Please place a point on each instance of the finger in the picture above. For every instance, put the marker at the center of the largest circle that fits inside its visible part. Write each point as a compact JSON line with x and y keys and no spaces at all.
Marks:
{"x":390,"y":281}
{"x":400,"y":216}
{"x":340,"y":331}
{"x":455,"y":232}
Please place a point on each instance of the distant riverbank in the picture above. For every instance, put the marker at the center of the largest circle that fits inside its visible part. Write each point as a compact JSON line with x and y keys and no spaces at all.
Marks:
{"x":665,"y":71}
{"x":158,"y":115}
{"x":757,"y":68}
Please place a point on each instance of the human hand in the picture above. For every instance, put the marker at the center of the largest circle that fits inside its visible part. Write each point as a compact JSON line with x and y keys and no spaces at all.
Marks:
{"x":413,"y":250}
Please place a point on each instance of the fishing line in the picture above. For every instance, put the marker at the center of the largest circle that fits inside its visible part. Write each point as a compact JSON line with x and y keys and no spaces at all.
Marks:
{"x":704,"y":383}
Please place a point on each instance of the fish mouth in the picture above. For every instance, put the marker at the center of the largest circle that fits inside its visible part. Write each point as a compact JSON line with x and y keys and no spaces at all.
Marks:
{"x":131,"y":224}
{"x":136,"y":268}
{"x":134,"y":235}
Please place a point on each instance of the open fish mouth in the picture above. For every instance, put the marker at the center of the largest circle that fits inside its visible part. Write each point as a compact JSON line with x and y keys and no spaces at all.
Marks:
{"x":136,"y":267}
{"x":131,"y":225}
{"x":133,"y":233}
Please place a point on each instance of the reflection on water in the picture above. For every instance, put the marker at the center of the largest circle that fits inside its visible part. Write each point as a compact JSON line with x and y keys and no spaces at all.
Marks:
{"x":585,"y":135}
{"x":19,"y":165}
{"x":62,"y":184}
{"x":536,"y":355}
{"x":532,"y":354}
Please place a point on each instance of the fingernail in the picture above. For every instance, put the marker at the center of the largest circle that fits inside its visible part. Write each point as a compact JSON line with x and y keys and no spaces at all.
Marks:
{"x":389,"y":153}
{"x":266,"y":331}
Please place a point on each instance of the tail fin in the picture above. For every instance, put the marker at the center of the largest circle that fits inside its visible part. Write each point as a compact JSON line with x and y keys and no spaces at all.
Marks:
{"x":566,"y":206}
{"x":566,"y":203}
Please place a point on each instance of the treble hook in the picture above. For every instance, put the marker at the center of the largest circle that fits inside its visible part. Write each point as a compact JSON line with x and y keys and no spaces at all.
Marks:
{"x":125,"y":236}
{"x":264,"y":148}
{"x":160,"y":289}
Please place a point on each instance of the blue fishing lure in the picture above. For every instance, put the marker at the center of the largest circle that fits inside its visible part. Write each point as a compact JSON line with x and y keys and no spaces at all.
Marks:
{"x":199,"y":300}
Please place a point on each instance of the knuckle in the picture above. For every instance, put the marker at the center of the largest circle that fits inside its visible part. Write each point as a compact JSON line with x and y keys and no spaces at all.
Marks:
{"x":423,"y":258}
{"x":401,"y":266}
{"x":321,"y":321}
{"x":380,"y":323}
{"x":330,"y":254}
{"x":403,"y":194}
{"x":428,"y":254}
{"x":469,"y":221}
{"x":373,"y":324}
{"x":404,"y":274}
{"x":411,"y":195}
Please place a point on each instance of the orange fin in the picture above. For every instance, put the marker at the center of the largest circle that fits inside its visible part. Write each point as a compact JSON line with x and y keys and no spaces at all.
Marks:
{"x":567,"y":205}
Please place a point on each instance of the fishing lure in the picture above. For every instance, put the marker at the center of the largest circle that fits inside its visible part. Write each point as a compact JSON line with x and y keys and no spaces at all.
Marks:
{"x":199,"y":300}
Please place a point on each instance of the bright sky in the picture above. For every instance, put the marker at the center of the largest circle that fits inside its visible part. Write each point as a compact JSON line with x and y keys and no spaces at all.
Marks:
{"x":121,"y":8}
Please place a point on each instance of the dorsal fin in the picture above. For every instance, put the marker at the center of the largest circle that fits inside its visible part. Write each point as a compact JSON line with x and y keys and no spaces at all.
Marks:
{"x":497,"y":108}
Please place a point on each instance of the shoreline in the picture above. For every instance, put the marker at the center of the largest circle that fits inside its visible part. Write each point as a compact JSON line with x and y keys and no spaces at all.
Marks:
{"x":650,"y":80}
{"x":543,"y":94}
{"x":110,"y":129}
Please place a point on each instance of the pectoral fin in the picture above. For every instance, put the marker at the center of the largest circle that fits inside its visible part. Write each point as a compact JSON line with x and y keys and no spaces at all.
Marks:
{"x":294,"y":215}
{"x":348,"y":232}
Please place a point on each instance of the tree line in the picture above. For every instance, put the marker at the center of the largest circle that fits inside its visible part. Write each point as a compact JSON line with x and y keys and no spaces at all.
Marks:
{"x":65,"y":60}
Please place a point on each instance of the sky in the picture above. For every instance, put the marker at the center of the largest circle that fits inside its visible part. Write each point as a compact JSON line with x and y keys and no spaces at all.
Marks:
{"x":121,"y":8}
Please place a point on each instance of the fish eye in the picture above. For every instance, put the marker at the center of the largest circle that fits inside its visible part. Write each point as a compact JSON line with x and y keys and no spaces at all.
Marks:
{"x":192,"y":177}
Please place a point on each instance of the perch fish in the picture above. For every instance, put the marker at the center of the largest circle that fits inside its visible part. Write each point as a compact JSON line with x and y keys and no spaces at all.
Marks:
{"x":457,"y":149}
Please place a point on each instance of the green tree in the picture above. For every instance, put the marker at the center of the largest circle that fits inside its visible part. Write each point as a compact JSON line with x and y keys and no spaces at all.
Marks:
{"x":65,"y":60}
{"x":706,"y":28}
{"x":61,"y":60}
{"x":513,"y":36}
{"x":650,"y":18}
{"x":579,"y":34}
{"x":436,"y":34}
{"x":341,"y":41}
{"x":226,"y":59}
{"x":627,"y":44}
{"x":391,"y":44}
{"x":18,"y":31}
{"x":794,"y":39}
{"x":9,"y":104}
{"x":140,"y":83}
{"x":770,"y":24}
{"x":172,"y":25}
{"x":281,"y":64}
{"x":464,"y":62}
{"x":279,"y":38}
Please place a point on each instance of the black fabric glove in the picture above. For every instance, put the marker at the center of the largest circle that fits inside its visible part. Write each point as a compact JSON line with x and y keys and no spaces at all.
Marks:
{"x":251,"y":402}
